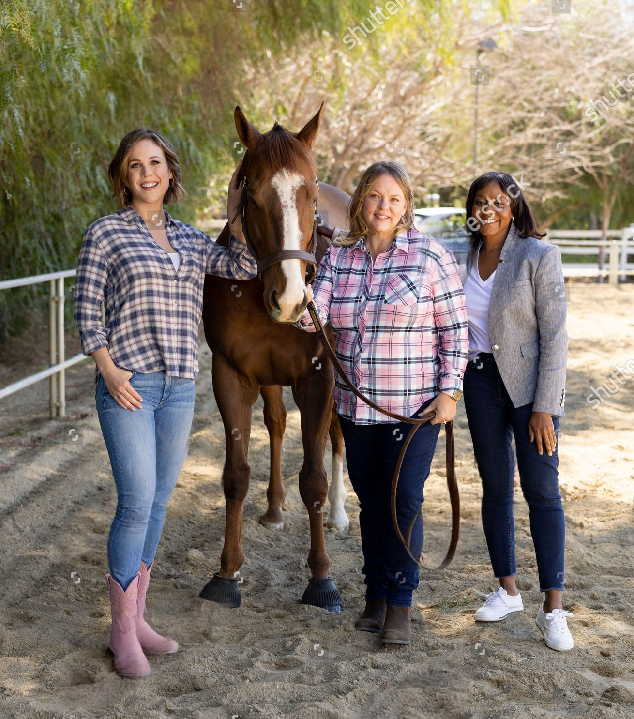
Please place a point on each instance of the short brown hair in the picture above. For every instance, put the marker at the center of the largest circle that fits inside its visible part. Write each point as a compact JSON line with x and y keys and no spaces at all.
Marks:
{"x":118,"y":169}
{"x":358,"y":226}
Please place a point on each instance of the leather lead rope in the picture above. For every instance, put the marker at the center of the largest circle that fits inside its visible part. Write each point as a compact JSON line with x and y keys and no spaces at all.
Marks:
{"x":416,"y":422}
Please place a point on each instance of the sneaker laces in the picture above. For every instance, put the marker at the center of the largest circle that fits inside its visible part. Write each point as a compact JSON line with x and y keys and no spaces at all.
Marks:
{"x":557,"y":619}
{"x":494,"y":598}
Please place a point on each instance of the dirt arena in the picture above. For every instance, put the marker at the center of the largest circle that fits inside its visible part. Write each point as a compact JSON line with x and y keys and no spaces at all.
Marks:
{"x":274,"y":657}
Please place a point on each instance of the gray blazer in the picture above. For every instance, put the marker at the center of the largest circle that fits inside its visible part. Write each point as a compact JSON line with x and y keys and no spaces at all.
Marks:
{"x":527,"y":322}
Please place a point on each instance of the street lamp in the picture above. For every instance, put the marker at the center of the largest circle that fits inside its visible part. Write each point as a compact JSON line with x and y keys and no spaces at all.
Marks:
{"x":480,"y":78}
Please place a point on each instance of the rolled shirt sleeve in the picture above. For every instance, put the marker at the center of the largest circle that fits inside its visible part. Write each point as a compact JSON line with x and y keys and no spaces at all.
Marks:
{"x":234,"y":262}
{"x":450,"y":314}
{"x":90,"y":284}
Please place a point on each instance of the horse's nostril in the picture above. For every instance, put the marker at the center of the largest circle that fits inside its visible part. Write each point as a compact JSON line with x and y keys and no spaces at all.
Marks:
{"x":301,"y":306}
{"x":274,"y":304}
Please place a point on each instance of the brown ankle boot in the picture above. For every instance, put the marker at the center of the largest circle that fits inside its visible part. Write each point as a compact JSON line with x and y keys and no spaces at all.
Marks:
{"x":397,"y":628}
{"x":373,"y":615}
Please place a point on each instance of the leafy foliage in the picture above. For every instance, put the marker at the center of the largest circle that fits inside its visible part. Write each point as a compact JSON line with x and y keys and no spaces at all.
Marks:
{"x":77,"y":75}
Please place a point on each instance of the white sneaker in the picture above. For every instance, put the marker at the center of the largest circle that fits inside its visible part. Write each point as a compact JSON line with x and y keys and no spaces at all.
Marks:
{"x":555,"y":629}
{"x":499,"y":605}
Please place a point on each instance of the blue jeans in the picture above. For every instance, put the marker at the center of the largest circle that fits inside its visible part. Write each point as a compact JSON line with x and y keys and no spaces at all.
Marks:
{"x":147,"y":448}
{"x":371,"y":452}
{"x":493,"y":422}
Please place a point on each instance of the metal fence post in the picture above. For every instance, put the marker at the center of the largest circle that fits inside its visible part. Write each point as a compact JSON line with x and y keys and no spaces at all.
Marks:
{"x":60,"y":346}
{"x":52,"y":341}
{"x":626,"y":232}
{"x":56,"y":372}
{"x":614,"y":262}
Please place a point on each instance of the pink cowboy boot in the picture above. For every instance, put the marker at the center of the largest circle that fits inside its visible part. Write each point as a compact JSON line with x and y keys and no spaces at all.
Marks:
{"x":129,"y":660}
{"x":150,"y":641}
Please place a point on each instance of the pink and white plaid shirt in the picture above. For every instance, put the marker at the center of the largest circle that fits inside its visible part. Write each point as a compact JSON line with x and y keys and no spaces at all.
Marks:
{"x":400,"y":324}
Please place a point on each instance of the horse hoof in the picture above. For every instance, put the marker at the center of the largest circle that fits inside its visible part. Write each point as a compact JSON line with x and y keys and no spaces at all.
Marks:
{"x":272,"y":525}
{"x":341,"y":528}
{"x":223,"y":591}
{"x":322,"y":593}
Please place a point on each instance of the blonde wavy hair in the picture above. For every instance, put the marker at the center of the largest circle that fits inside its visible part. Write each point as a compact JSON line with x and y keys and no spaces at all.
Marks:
{"x":358,"y":226}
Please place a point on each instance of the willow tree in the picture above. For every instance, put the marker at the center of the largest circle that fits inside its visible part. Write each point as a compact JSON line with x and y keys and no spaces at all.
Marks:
{"x":77,"y":75}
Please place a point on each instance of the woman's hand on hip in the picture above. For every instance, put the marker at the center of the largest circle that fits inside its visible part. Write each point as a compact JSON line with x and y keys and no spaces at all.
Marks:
{"x":541,"y":430}
{"x":233,"y":204}
{"x":118,"y":384}
{"x":444,"y":406}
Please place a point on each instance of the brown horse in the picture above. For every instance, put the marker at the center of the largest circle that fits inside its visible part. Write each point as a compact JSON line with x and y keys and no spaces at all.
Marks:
{"x":256,"y":350}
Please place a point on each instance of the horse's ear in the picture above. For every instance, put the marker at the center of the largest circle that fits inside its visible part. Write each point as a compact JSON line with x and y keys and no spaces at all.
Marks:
{"x":247,"y":133}
{"x":308,"y":134}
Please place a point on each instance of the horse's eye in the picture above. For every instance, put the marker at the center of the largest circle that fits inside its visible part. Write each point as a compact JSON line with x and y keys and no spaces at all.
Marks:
{"x":252,"y":201}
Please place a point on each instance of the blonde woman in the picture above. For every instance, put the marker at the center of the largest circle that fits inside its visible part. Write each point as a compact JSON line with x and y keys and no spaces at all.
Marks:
{"x":149,"y":270}
{"x":395,"y":302}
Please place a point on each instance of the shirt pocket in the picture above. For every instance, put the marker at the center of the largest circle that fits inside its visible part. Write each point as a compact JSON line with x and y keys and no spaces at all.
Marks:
{"x":519,"y":284}
{"x":530,"y":349}
{"x":344,"y":313}
{"x":401,"y":291}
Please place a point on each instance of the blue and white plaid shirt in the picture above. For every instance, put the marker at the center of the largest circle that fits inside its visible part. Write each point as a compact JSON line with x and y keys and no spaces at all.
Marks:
{"x":152,"y":310}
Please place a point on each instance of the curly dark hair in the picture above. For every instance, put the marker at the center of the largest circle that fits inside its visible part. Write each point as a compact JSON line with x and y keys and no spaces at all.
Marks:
{"x":523,"y":217}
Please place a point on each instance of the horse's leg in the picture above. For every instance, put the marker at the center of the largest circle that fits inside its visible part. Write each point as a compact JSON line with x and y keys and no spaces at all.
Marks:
{"x":234,"y":401}
{"x":315,"y":404}
{"x":275,"y":421}
{"x":337,"y":492}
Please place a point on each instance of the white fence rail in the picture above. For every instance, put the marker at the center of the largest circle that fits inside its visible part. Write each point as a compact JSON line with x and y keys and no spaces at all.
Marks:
{"x":57,"y":371}
{"x":617,"y":248}
{"x":618,"y":243}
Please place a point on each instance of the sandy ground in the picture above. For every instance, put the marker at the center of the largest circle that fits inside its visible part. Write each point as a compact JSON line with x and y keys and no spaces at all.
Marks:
{"x":274,"y":657}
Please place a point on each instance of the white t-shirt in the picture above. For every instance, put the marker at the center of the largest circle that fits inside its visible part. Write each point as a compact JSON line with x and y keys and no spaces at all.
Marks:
{"x":478,"y":297}
{"x":176,"y":259}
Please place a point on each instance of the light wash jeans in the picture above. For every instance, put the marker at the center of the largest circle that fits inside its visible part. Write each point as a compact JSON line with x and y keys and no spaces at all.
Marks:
{"x":147,"y":448}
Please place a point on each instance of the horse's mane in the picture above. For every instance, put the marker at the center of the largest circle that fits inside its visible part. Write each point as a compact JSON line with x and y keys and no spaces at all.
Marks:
{"x":283,"y":151}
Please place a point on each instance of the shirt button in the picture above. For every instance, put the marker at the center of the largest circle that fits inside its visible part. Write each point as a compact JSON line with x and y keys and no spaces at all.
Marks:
{"x":174,"y":280}
{"x":495,"y":348}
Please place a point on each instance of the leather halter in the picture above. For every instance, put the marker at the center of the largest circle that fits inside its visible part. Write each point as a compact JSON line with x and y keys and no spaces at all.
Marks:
{"x":281,"y":255}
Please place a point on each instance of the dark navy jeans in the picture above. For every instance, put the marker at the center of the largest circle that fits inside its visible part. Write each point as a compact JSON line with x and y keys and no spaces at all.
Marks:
{"x":371,"y":452}
{"x":493,"y":422}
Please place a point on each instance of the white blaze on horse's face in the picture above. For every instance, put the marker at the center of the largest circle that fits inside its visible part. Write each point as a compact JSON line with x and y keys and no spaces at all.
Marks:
{"x":286,"y":183}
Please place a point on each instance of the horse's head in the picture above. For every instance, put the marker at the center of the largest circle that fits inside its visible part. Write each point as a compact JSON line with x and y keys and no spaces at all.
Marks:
{"x":281,"y":199}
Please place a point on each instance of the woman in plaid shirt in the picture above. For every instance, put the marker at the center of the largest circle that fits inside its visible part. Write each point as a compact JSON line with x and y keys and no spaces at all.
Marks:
{"x":396,"y":306}
{"x":148,"y":269}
